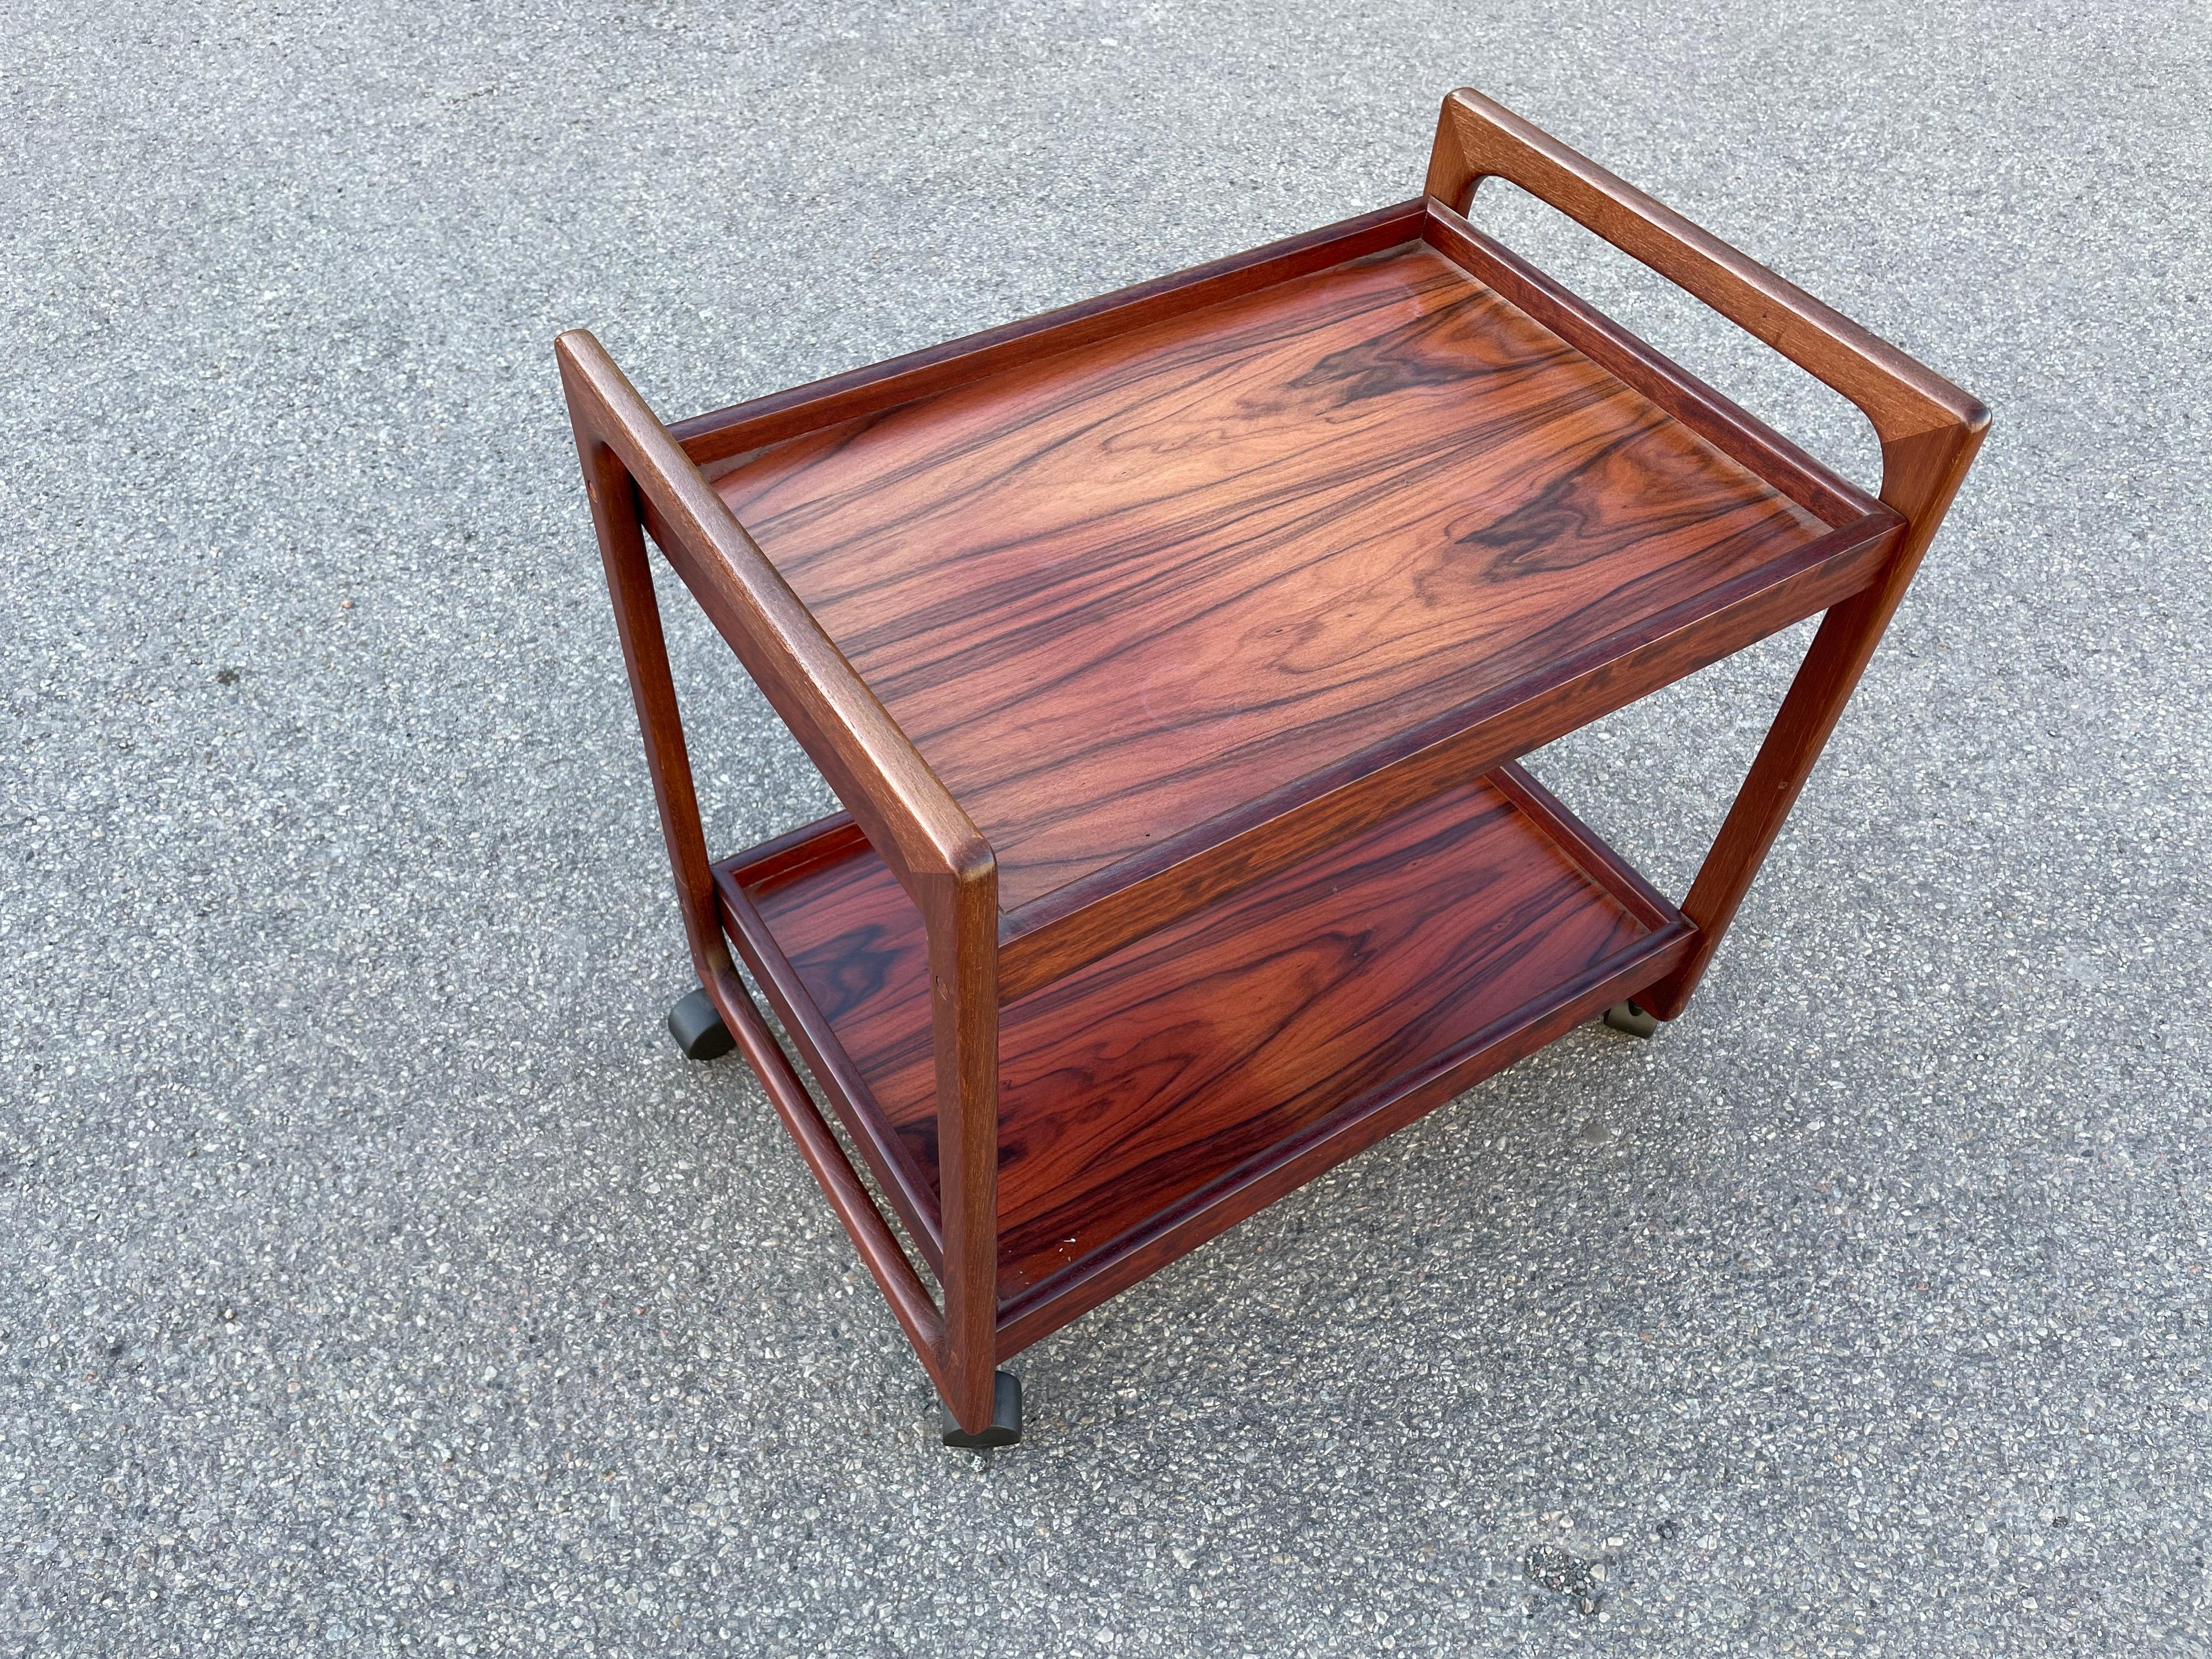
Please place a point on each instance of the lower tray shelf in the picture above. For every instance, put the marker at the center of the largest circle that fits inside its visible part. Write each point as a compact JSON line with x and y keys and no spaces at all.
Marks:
{"x":1160,"y":1095}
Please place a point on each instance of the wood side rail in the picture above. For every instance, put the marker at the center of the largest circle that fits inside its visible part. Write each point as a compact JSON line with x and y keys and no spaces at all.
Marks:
{"x":1929,"y":429}
{"x":909,"y":815}
{"x":638,"y":479}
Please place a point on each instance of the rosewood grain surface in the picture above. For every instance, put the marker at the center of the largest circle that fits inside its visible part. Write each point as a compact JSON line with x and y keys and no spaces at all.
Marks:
{"x":1134,"y":1084}
{"x":1114,"y":593}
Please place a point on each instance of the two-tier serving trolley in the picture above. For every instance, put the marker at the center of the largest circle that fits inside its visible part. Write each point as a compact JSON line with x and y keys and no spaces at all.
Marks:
{"x":1171,"y":654}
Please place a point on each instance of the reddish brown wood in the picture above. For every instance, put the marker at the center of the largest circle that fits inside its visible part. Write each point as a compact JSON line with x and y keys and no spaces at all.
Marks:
{"x":1130,"y":1089}
{"x":652,"y":691}
{"x":960,"y":919}
{"x":792,"y":851}
{"x":1929,"y":432}
{"x":1149,"y":645}
{"x":902,"y":1288}
{"x":1921,"y":475}
{"x":635,"y":472}
{"x":1177,"y":1232}
{"x":1547,"y":813}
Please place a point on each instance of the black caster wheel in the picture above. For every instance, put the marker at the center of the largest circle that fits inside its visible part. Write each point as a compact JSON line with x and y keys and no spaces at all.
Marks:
{"x":1627,"y":1017}
{"x":1006,"y":1426}
{"x":696,"y":1026}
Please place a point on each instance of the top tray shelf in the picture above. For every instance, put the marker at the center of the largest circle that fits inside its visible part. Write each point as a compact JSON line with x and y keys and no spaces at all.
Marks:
{"x":1151,"y":583}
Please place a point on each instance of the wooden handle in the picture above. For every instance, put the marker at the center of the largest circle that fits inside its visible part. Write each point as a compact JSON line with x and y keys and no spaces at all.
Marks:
{"x":1478,"y":138}
{"x":909,"y":816}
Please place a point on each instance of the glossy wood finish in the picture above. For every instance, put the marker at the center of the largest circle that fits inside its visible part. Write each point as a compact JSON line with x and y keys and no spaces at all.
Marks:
{"x":1122,"y":592}
{"x":1150,"y":645}
{"x":1138,"y":1092}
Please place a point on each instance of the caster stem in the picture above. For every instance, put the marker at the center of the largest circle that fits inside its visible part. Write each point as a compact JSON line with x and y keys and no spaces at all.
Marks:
{"x":1627,"y":1017}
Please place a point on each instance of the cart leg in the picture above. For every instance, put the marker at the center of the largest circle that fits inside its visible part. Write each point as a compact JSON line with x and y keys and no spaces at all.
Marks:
{"x":1005,"y":1428}
{"x":1920,"y":473}
{"x":961,"y":914}
{"x":1632,"y":1019}
{"x":696,"y":1026}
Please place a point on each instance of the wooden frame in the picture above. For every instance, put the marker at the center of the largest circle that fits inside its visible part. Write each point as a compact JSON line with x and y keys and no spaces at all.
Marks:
{"x":1066,"y":901}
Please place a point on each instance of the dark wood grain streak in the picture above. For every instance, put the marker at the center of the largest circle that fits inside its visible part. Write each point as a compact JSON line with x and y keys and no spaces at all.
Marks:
{"x":1717,"y":419}
{"x":1167,"y":1068}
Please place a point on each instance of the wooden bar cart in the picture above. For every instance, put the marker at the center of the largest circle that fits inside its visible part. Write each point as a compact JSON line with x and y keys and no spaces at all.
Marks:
{"x":1171,"y":654}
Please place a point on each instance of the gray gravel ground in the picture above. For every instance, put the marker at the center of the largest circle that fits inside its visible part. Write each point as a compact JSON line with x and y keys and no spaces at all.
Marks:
{"x":375,"y":1278}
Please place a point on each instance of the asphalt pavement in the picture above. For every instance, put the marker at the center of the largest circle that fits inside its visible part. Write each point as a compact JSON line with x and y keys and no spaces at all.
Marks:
{"x":375,"y":1277}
